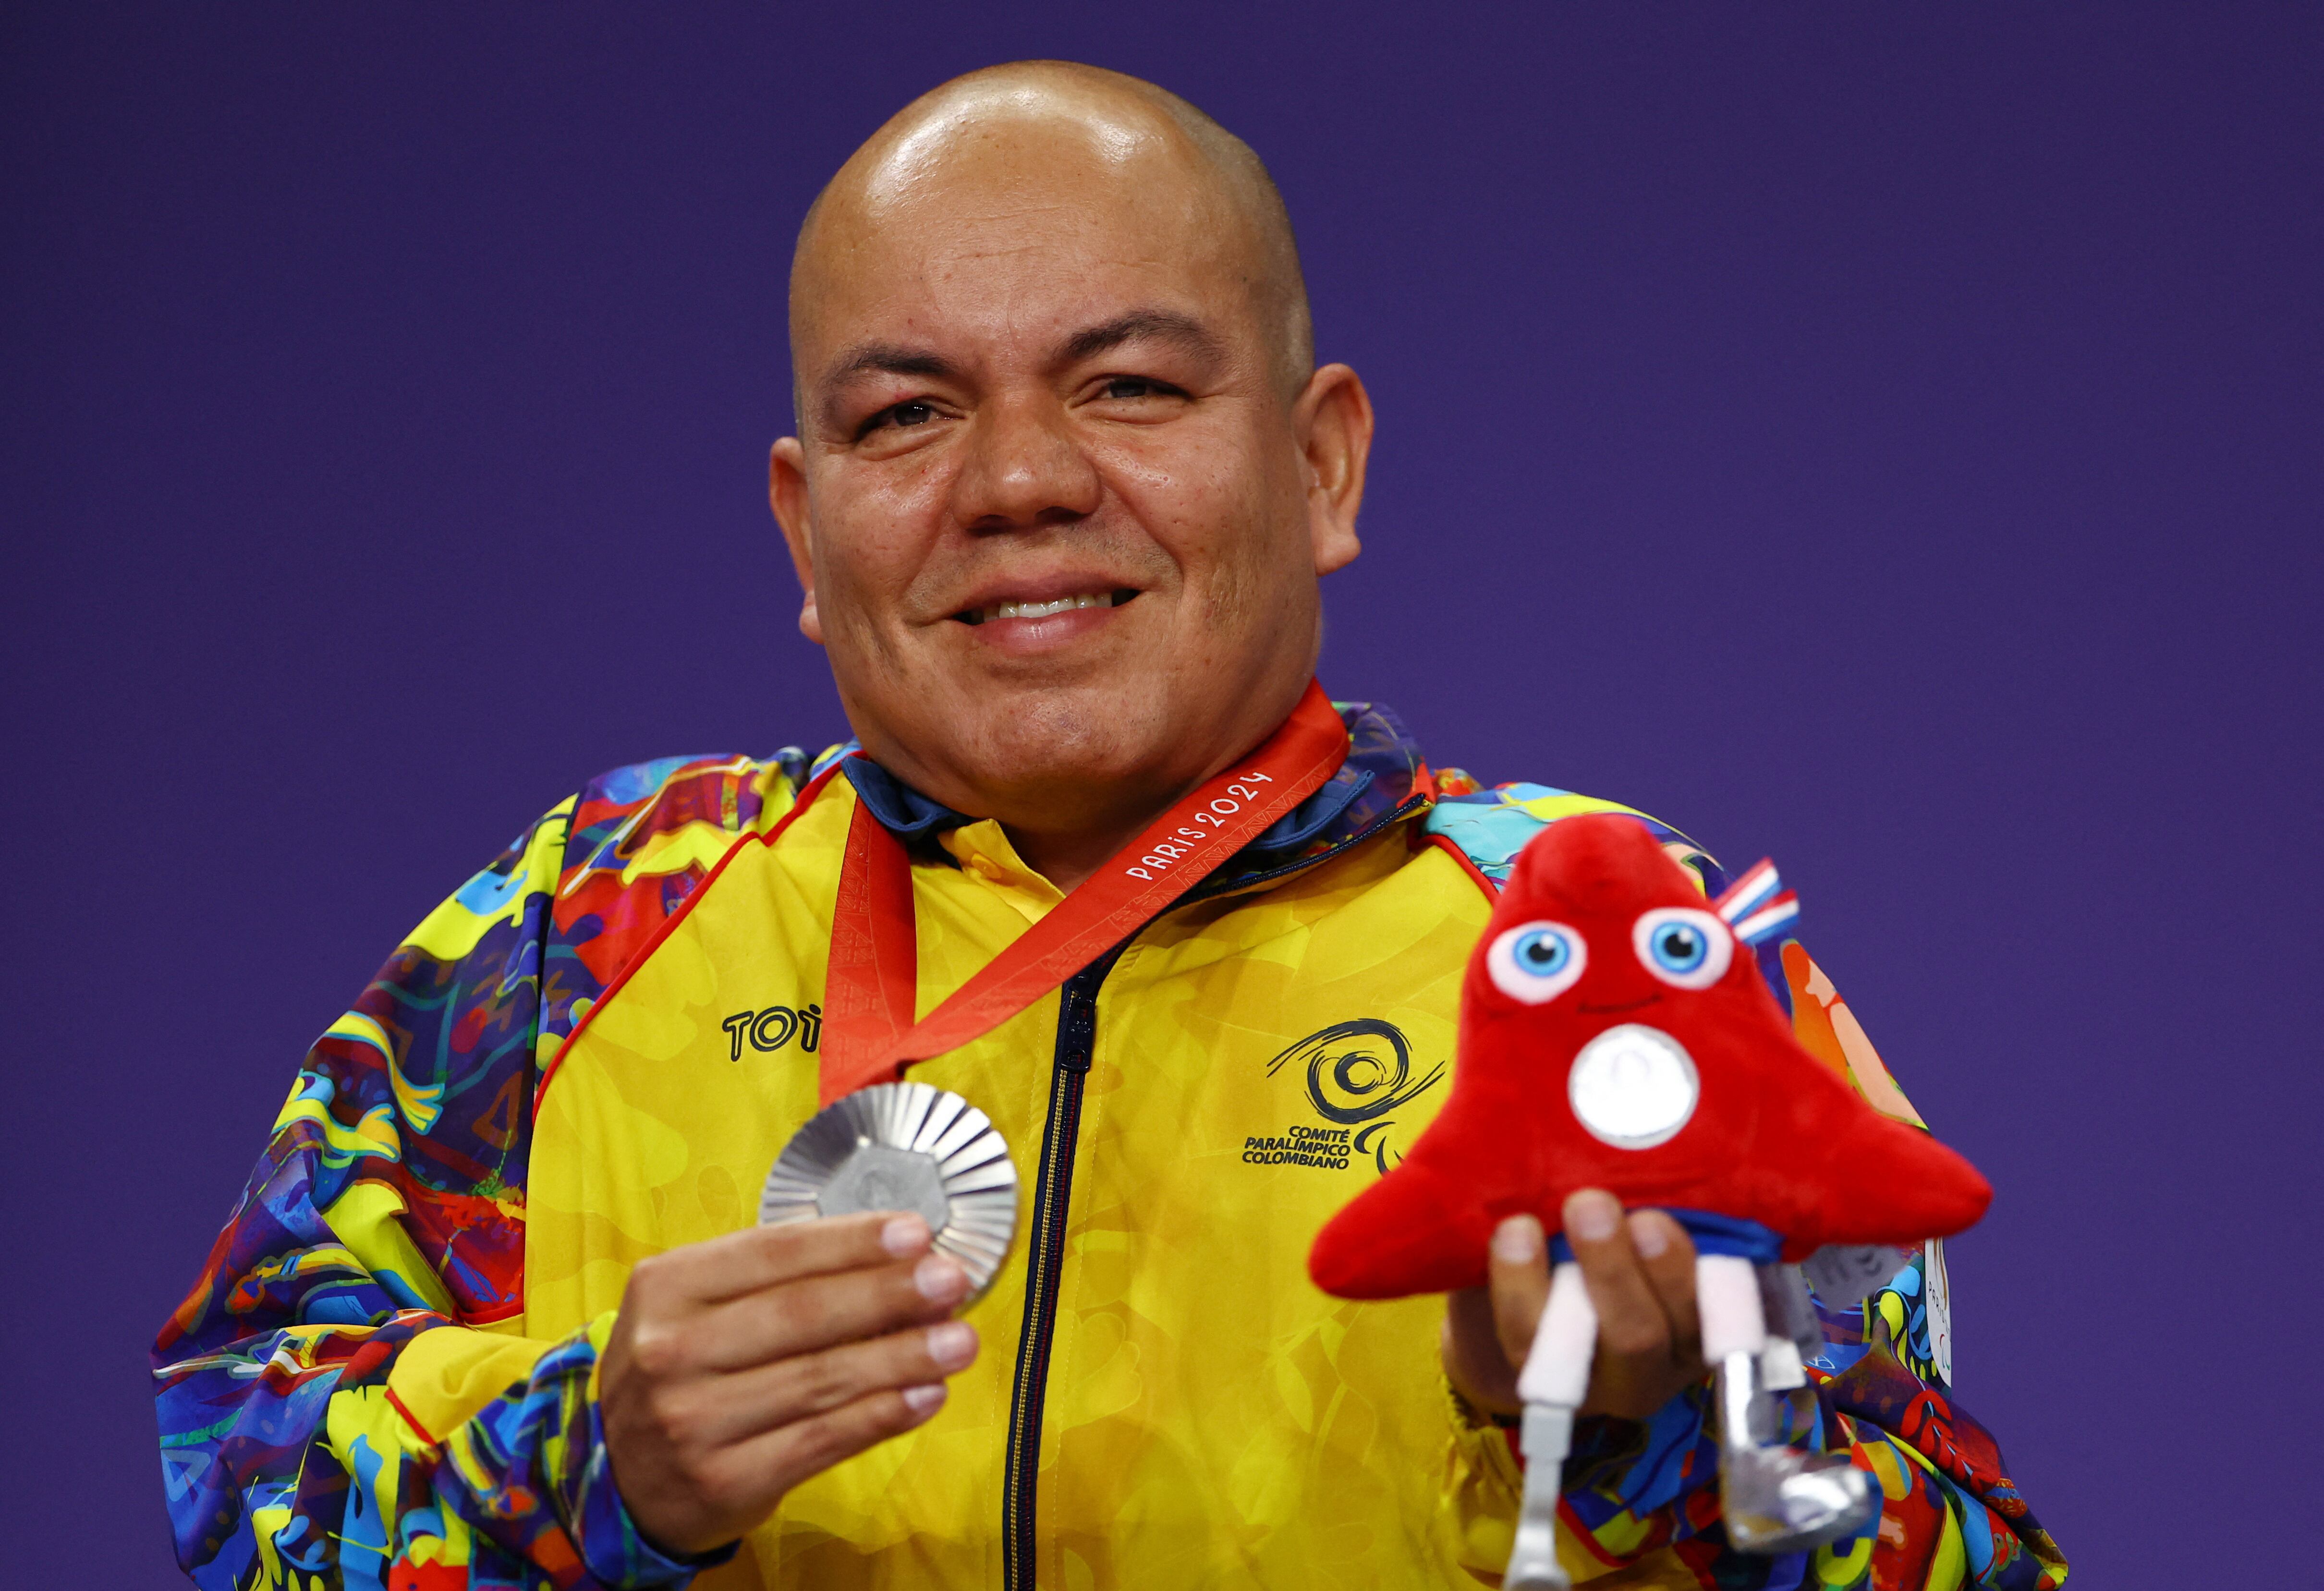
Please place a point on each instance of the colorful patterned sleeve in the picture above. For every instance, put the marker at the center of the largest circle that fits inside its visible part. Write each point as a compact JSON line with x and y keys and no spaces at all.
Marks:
{"x":1948,"y":1515}
{"x":343,"y":1396}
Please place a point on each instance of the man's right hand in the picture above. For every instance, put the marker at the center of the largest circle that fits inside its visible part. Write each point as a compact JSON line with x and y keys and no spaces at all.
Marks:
{"x":739,"y":1368}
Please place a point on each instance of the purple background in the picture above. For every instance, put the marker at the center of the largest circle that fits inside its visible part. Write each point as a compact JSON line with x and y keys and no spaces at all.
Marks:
{"x":1882,"y":440}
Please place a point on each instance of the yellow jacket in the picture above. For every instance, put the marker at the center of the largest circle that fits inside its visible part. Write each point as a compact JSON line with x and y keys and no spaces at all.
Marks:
{"x":1163,"y":1399}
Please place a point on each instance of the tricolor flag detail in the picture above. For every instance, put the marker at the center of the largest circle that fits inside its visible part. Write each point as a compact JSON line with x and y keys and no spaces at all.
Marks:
{"x":1769,"y":920}
{"x":1754,"y":889}
{"x":1753,"y":907}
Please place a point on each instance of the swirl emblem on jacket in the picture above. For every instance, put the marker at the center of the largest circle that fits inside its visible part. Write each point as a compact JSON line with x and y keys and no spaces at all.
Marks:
{"x":1358,"y":1071}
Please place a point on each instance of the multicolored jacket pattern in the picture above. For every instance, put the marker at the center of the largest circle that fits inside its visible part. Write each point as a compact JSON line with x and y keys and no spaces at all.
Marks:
{"x":386,"y":1222}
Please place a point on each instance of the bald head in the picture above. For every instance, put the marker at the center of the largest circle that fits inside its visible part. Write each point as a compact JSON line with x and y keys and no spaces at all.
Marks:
{"x":1039,"y":136}
{"x":1066,"y":475}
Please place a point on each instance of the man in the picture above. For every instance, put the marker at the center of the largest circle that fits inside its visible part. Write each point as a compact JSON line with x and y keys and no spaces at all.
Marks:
{"x":495,"y":1310}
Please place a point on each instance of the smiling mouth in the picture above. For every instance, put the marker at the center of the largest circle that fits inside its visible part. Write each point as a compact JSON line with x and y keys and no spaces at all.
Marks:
{"x":1609,"y":1010}
{"x":1065,"y":605}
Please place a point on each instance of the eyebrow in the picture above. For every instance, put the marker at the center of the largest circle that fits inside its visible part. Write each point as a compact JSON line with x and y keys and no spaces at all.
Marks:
{"x":1160,"y":324}
{"x":887,"y":359}
{"x":876,"y":359}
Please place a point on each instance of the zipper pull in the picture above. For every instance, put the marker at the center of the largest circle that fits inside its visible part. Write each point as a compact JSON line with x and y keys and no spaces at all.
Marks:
{"x":1081,"y":1033}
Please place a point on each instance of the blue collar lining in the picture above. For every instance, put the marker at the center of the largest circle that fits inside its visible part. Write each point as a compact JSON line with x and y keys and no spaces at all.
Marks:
{"x":902,"y":810}
{"x":1377,"y":777}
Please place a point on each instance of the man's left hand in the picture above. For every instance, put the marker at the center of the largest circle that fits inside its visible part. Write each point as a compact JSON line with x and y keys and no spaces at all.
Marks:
{"x":1639,"y":1269}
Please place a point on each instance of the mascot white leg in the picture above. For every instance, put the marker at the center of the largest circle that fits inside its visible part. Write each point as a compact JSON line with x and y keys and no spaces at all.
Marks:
{"x":1555,"y":1376}
{"x":1775,"y":1498}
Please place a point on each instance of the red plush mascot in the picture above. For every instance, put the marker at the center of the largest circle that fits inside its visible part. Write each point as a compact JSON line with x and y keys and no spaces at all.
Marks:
{"x":1615,"y":1033}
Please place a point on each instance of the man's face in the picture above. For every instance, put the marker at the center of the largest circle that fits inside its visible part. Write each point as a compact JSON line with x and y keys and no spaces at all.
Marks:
{"x":1058,"y":510}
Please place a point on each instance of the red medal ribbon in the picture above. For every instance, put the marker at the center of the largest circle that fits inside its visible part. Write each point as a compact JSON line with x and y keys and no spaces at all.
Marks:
{"x":868,"y":1033}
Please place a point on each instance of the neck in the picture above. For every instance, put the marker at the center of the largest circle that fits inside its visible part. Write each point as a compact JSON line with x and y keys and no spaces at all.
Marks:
{"x":1065,"y":824}
{"x":1067,"y":857}
{"x":1067,"y":852}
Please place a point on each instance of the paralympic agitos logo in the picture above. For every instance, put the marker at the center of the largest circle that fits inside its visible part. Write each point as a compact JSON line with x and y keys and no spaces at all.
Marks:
{"x":772,"y":1028}
{"x":1357,"y":1073}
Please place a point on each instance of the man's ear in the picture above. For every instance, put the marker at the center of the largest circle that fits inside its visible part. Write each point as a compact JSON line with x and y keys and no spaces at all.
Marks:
{"x":786,"y":492}
{"x":1332,"y":419}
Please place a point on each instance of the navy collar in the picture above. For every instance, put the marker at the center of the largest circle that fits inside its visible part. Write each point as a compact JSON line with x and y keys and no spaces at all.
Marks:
{"x":902,"y":810}
{"x":1379,"y":777}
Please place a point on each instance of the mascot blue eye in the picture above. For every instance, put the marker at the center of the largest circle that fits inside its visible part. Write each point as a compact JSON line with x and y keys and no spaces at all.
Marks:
{"x":1684,"y":947}
{"x":1680,"y":947}
{"x":1543,"y":952}
{"x":1535,"y":961}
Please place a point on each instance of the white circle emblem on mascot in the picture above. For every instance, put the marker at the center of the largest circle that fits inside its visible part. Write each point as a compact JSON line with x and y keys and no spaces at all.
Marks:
{"x":1633,"y":1087}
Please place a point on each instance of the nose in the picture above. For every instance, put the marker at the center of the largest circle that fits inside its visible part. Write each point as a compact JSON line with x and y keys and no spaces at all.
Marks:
{"x":1024,"y":468}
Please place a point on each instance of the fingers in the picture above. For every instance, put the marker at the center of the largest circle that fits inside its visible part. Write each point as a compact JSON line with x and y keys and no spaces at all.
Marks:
{"x":1488,"y":1330}
{"x":832,"y":1330}
{"x":820,"y":1311}
{"x":759,"y":1258}
{"x":1630,"y":1319}
{"x":1519,"y":1269}
{"x":1473,"y":1360}
{"x":1640,"y":1273}
{"x":776,"y":1291}
{"x":729,"y":1409}
{"x":1666,"y":1253}
{"x":690,"y":1495}
{"x":780,"y":1459}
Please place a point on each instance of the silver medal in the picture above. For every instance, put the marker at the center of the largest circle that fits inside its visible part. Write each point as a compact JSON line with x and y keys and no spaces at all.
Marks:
{"x":910,"y":1146}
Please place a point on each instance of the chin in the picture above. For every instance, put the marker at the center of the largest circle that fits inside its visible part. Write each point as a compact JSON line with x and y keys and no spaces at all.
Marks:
{"x":1086,"y":735}
{"x":1037,"y":740}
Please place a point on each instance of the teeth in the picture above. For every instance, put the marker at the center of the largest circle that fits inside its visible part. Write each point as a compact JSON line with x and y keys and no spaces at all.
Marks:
{"x":1098,"y":599}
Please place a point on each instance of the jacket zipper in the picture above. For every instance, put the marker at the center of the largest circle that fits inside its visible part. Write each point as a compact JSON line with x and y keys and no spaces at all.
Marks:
{"x":1053,"y":1192}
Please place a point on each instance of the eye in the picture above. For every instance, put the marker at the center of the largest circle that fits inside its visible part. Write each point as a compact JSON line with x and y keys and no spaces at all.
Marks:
{"x":1537,"y":962}
{"x":1684,"y":948}
{"x":915,"y":412}
{"x":1141,"y":390}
